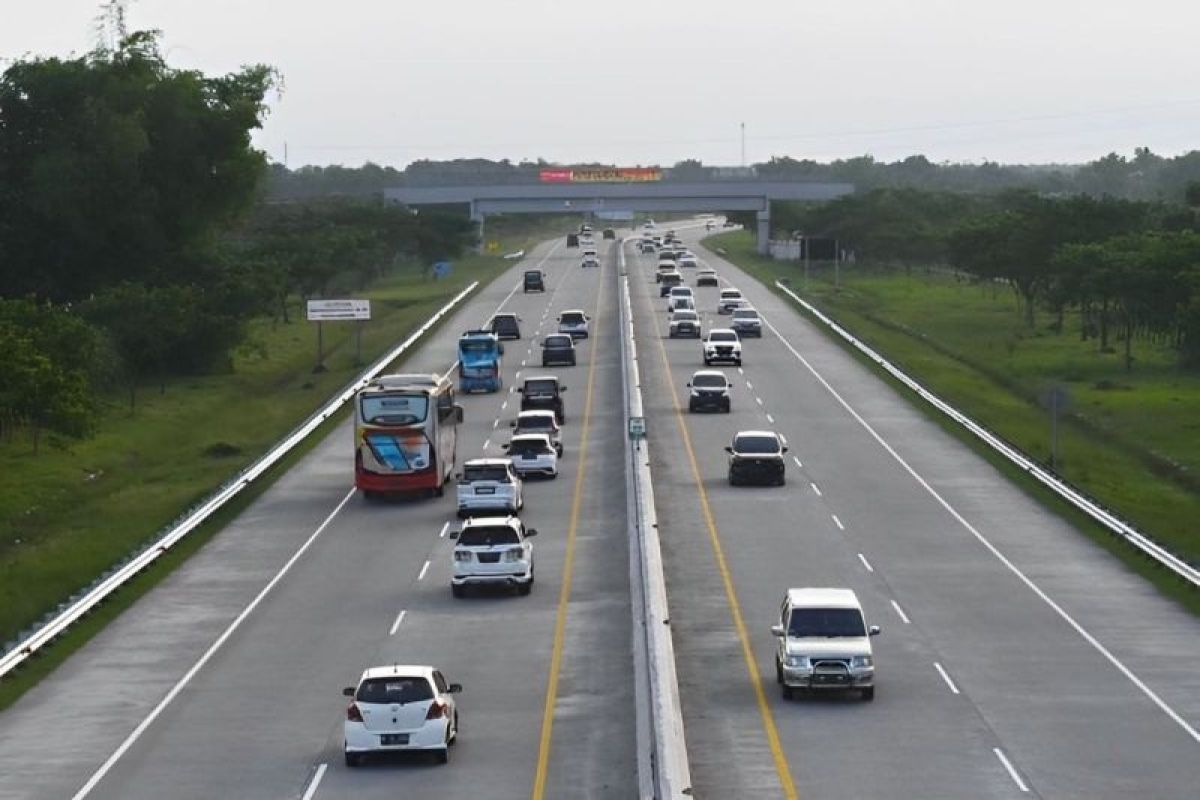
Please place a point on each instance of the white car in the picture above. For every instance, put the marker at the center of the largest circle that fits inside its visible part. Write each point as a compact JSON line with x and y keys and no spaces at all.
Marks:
{"x":679,"y":291}
{"x":574,"y":322}
{"x":681,"y":303}
{"x":823,"y":643}
{"x":728,"y":298}
{"x":400,"y":708}
{"x":746,"y":322}
{"x":707,"y":276}
{"x":539,"y":421}
{"x":686,"y":259}
{"x":722,"y":344}
{"x":492,"y":551}
{"x":589,"y":261}
{"x":533,"y":454}
{"x":684,"y":324}
{"x":489,"y":486}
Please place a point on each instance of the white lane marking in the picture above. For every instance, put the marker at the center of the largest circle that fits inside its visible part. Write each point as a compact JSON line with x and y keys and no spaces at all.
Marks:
{"x":741,"y":371}
{"x":797,"y":460}
{"x":487,"y":443}
{"x":316,"y":781}
{"x":758,"y":400}
{"x":750,"y":386}
{"x":512,"y":389}
{"x":770,"y":419}
{"x":495,"y":424}
{"x":396,"y":624}
{"x":900,"y":613}
{"x":149,"y":719}
{"x":445,"y":528}
{"x":518,"y":375}
{"x":523,"y":362}
{"x":815,"y":488}
{"x":945,"y":677}
{"x":424,"y":569}
{"x":504,"y":405}
{"x":1003,"y":559}
{"x":865,"y":563}
{"x":838,"y":522}
{"x":1012,"y":772}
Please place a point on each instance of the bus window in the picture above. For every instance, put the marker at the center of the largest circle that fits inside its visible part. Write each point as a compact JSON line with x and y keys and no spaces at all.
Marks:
{"x":394,"y":409}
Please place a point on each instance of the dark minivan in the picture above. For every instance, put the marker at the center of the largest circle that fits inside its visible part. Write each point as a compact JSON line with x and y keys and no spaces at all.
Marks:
{"x":543,"y":393}
{"x":558,"y":348}
{"x":506,"y":326}
{"x":535,"y":281}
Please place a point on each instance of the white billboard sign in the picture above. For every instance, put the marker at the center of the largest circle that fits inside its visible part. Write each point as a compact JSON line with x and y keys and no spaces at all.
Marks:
{"x":333,"y":310}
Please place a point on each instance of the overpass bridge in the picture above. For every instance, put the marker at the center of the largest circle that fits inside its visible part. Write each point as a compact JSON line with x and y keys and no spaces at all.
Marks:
{"x":543,"y":198}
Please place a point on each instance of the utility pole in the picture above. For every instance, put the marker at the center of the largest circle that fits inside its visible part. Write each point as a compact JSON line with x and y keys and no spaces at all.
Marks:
{"x":743,"y":144}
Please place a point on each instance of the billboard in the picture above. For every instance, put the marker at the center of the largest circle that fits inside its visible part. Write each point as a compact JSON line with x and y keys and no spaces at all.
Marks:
{"x":601,"y":175}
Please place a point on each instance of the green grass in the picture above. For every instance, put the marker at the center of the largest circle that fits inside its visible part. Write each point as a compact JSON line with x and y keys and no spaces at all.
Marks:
{"x":75,"y":510}
{"x":1130,"y":439}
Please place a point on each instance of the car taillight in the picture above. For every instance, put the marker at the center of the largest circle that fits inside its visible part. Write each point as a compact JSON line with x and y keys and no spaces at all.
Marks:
{"x":353,"y":714}
{"x":462,"y":555}
{"x":437,"y":710}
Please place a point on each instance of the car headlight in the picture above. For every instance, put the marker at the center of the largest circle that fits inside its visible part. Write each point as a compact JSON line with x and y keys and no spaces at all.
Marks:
{"x":800,"y":662}
{"x":861,"y":662}
{"x":462,"y":555}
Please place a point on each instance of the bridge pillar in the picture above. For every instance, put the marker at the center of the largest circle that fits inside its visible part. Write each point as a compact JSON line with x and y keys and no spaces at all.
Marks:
{"x":764,"y":230}
{"x":479,"y":216}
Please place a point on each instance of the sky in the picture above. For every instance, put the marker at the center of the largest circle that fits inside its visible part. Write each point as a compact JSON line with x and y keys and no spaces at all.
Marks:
{"x":656,"y":81}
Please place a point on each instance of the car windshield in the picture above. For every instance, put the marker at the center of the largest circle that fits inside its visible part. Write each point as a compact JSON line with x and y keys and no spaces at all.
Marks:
{"x":395,"y":689}
{"x":572,"y":318}
{"x":709,"y":381}
{"x":722,"y":336}
{"x":484,"y":472}
{"x":548,"y":386}
{"x":488,"y":536}
{"x":826,"y":622}
{"x":394,"y":409}
{"x":557,"y":341}
{"x":525,"y":447}
{"x":477,"y":346}
{"x":756,"y":444}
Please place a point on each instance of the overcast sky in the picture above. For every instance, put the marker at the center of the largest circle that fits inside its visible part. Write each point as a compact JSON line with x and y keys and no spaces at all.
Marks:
{"x":655,"y":81}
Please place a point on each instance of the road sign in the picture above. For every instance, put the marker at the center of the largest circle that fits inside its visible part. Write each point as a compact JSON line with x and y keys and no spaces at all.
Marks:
{"x":333,"y":310}
{"x":441,"y":269}
{"x":637,"y":427}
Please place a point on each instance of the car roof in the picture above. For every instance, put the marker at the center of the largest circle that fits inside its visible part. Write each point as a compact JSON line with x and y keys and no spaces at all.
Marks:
{"x":711,"y":331}
{"x":558,"y":337}
{"x":486,"y":462}
{"x":475,"y":522}
{"x":398,"y":671}
{"x":542,"y":437}
{"x":535,"y":412}
{"x":757,"y":433}
{"x":504,"y":315}
{"x":818,"y":597}
{"x":529,"y":378}
{"x":731,"y":290}
{"x":573,"y":311}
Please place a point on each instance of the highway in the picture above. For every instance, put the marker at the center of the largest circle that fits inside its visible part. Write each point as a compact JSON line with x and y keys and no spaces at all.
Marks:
{"x":1017,"y":659}
{"x":262,"y":716}
{"x":985,"y":690}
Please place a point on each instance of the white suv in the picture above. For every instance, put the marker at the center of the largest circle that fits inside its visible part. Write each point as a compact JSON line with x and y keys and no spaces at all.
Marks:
{"x":729,"y":297}
{"x":722,"y":344}
{"x":492,"y":551}
{"x":489,"y":485}
{"x":533,"y":454}
{"x":823,"y":643}
{"x":400,"y":707}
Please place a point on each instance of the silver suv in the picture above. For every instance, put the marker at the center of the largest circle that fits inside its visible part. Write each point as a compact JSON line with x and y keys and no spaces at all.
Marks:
{"x":823,"y":643}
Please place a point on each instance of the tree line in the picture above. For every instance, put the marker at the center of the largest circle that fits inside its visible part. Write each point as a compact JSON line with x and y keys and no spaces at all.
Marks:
{"x":135,"y":244}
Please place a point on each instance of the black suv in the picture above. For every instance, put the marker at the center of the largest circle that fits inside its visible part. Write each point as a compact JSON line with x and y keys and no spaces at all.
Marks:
{"x":535,"y":281}
{"x":506,"y":326}
{"x":609,"y":233}
{"x":756,"y":457}
{"x":545,"y":394}
{"x":558,"y":348}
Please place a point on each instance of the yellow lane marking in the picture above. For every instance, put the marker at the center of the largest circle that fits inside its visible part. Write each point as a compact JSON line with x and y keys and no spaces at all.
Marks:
{"x":735,"y":608}
{"x":560,"y":623}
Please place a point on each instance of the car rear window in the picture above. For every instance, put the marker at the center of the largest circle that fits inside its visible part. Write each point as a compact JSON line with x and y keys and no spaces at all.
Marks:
{"x":488,"y":535}
{"x":524,"y":447}
{"x":572,"y":318}
{"x":709,"y":381}
{"x":537,"y":422}
{"x":756,"y":444}
{"x":541,"y":386}
{"x":557,"y":341}
{"x":827,"y":622}
{"x":484,"y":472}
{"x":395,"y":689}
{"x":745,"y":313}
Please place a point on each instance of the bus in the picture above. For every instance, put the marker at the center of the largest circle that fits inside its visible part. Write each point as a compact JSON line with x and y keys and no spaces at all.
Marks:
{"x":479,"y":361}
{"x":405,"y":434}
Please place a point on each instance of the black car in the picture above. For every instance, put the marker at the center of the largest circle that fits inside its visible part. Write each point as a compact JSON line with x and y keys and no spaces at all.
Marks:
{"x":572,"y":240}
{"x":756,"y":457}
{"x":558,"y":348}
{"x":543,"y":393}
{"x":506,"y":326}
{"x":609,"y":233}
{"x":535,"y":281}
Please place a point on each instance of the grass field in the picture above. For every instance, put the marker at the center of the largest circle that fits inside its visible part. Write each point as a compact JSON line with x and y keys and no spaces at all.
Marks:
{"x":73,"y":511}
{"x":1129,"y":439}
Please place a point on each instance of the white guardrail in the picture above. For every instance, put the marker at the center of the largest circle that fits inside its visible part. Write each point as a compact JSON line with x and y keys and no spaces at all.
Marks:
{"x":663,"y":769}
{"x":111,"y":581}
{"x":1048,"y":479}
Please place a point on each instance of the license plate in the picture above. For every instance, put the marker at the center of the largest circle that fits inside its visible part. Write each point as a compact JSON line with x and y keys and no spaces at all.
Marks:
{"x":393,"y":738}
{"x":486,"y":490}
{"x":529,"y":458}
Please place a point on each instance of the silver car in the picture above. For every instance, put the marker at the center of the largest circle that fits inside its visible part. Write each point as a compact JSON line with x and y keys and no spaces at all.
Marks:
{"x":822,"y":642}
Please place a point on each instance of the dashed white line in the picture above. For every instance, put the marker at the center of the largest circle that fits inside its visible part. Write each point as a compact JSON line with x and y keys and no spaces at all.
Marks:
{"x":945,"y":677}
{"x":865,"y":563}
{"x":770,"y":419}
{"x":316,"y":781}
{"x":445,"y":528}
{"x":396,"y":624}
{"x":522,"y":362}
{"x":487,"y":443}
{"x":838,"y":522}
{"x":424,"y":569}
{"x":1011,"y":771}
{"x":512,"y":389}
{"x":741,"y":371}
{"x":900,"y":613}
{"x":504,"y":405}
{"x":815,"y":488}
{"x":797,"y":460}
{"x":750,"y":386}
{"x":495,"y":424}
{"x":758,"y":400}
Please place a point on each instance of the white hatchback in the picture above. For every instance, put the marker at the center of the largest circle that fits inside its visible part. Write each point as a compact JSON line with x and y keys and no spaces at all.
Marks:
{"x":533,"y":454}
{"x":400,"y":708}
{"x":490,"y":486}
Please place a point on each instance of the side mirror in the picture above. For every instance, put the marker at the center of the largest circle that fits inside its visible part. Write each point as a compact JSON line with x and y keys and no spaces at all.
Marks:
{"x":530,"y":532}
{"x":520,"y":390}
{"x":348,"y":691}
{"x":688,"y":384}
{"x":777,"y":630}
{"x":505,"y":446}
{"x":454,"y":534}
{"x":562,"y":388}
{"x":785,"y":448}
{"x":454,"y":688}
{"x":512,"y":424}
{"x":458,"y":476}
{"x":729,"y":449}
{"x":873,"y":630}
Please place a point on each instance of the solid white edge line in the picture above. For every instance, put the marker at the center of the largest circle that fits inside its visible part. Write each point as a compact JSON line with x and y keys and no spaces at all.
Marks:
{"x":815,"y":488}
{"x":865,"y":563}
{"x":424,"y":569}
{"x":1012,"y":772}
{"x":396,"y":624}
{"x":838,"y":522}
{"x":315,"y":782}
{"x":1003,"y":559}
{"x":945,"y":677}
{"x":149,"y":719}
{"x":445,"y":528}
{"x":900,"y":613}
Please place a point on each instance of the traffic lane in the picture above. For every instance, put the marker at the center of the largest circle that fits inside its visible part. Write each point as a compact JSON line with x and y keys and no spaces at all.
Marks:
{"x":957,"y":583}
{"x":775,"y":538}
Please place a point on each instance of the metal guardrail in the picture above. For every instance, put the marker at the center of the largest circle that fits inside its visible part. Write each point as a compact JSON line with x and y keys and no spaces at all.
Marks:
{"x":654,"y":650}
{"x":1047,"y":478}
{"x":81,"y":604}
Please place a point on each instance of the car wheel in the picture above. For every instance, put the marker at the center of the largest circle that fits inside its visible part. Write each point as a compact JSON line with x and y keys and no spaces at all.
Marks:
{"x":353,"y":759}
{"x":442,"y":756}
{"x":727,"y":408}
{"x":457,"y":591}
{"x":454,"y":735}
{"x":370,"y":496}
{"x":525,"y":588}
{"x":778,"y":672}
{"x":787,"y":692}
{"x":868,"y":694}
{"x":781,"y":480}
{"x":733,"y":481}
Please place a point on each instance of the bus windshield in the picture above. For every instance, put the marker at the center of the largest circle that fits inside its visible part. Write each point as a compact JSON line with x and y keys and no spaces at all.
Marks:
{"x":394,"y":409}
{"x":478,"y":346}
